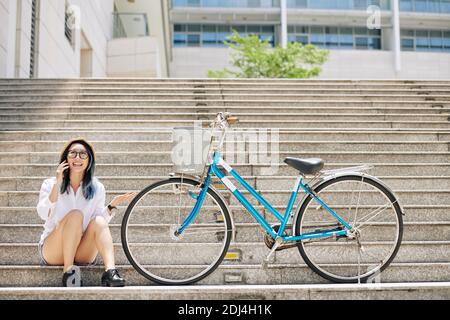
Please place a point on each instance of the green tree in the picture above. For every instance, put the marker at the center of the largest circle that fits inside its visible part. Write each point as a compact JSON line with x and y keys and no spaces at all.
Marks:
{"x":254,"y":58}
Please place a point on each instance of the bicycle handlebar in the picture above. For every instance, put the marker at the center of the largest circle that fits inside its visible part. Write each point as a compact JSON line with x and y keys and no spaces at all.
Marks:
{"x":224,"y":119}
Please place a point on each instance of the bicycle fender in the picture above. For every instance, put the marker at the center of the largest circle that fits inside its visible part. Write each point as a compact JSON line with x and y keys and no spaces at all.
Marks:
{"x":335,"y":176}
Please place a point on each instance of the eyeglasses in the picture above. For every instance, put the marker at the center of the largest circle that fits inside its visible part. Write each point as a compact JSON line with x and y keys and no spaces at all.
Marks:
{"x":73,"y":154}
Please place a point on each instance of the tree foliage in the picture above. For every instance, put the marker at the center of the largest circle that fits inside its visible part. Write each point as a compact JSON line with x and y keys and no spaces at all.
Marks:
{"x":254,"y":58}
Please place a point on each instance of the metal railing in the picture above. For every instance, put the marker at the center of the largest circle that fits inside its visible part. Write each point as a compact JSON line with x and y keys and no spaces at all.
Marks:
{"x":130,"y":25}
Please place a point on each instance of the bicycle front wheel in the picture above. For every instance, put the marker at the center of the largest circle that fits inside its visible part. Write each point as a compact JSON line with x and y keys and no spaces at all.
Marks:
{"x":151,"y":220}
{"x":375,"y":216}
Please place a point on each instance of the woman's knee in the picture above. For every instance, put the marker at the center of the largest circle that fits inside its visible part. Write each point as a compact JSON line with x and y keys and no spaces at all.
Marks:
{"x":74,"y":218}
{"x":98,"y":222}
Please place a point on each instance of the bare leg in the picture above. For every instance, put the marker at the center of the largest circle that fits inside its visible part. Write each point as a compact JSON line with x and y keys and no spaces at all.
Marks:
{"x":60,"y":246}
{"x":96,"y":239}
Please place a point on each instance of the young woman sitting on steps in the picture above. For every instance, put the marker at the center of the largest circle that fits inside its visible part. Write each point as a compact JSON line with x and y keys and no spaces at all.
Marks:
{"x":76,"y":230}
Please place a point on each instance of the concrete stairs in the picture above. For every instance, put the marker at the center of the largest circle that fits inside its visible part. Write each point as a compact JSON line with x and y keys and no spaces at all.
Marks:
{"x":402,"y":127}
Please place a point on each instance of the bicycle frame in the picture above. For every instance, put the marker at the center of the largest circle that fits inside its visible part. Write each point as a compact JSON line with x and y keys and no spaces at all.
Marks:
{"x":213,"y":169}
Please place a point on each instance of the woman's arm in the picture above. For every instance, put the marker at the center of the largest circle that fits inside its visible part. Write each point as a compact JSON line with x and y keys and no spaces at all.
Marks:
{"x":47,"y":199}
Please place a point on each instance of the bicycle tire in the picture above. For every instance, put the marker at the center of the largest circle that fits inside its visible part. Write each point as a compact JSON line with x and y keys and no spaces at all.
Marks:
{"x":369,"y":276}
{"x":190,"y":280}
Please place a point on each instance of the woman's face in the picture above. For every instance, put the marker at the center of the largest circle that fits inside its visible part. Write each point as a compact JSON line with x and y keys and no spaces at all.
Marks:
{"x":78,"y":158}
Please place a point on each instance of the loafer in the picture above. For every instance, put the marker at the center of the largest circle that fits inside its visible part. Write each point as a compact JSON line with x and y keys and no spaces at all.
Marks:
{"x":112,"y":278}
{"x":72,"y":277}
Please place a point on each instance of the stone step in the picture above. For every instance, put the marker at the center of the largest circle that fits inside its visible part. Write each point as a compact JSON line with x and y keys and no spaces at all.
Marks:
{"x":248,"y":141}
{"x":294,"y":124}
{"x":213,"y":89}
{"x":204,"y":117}
{"x":210,"y":112}
{"x":419,"y":213}
{"x":163,"y":169}
{"x":244,"y":232}
{"x":275,"y":197}
{"x":224,"y":82}
{"x":275,"y":274}
{"x":224,"y":97}
{"x":284,"y":135}
{"x":410,"y":102}
{"x":147,"y":157}
{"x":245,"y":253}
{"x":258,"y":183}
{"x":378,"y":291}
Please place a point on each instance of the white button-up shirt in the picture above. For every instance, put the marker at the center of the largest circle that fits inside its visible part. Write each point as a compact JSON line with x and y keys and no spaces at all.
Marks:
{"x":67,"y":202}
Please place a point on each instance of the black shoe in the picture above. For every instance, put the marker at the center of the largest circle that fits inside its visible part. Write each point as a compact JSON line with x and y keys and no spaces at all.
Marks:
{"x":112,"y":278}
{"x":72,"y":278}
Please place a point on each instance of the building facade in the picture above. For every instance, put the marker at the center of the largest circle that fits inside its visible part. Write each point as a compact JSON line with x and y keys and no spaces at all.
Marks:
{"x":360,"y":34}
{"x":76,"y":38}
{"x":367,"y":39}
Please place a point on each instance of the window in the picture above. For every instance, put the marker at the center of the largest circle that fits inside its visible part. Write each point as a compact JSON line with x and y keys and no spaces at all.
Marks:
{"x":436,"y":40}
{"x":446,"y":41}
{"x":422,"y":41}
{"x":346,"y":38}
{"x":336,"y":37}
{"x":210,"y":35}
{"x":408,"y":44}
{"x":193,"y":40}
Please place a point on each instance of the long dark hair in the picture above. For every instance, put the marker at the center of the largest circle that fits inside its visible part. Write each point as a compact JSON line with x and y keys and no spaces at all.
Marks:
{"x":88,"y":179}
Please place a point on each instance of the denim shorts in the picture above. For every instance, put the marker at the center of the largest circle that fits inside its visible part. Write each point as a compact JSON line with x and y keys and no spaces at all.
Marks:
{"x":45,"y":263}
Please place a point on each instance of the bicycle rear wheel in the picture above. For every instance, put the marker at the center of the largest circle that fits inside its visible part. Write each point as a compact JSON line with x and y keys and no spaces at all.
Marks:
{"x":151,"y":220}
{"x":374,"y":213}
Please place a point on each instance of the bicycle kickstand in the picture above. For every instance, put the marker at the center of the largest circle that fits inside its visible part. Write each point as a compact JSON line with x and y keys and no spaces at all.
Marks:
{"x":265,"y":262}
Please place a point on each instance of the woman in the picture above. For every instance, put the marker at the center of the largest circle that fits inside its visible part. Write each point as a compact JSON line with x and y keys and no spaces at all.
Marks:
{"x":76,"y":218}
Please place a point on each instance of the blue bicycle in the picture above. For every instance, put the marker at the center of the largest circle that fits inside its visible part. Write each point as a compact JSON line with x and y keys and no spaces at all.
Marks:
{"x":347,"y":225}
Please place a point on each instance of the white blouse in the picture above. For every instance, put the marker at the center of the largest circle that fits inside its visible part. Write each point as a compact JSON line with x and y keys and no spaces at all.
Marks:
{"x":67,"y":202}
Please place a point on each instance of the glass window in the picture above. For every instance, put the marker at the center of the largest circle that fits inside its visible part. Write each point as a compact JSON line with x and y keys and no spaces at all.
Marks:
{"x":179,"y":40}
{"x":179,"y":28}
{"x":446,"y":40}
{"x":209,"y":39}
{"x":331,"y":37}
{"x":193,"y":3}
{"x":407,"y":33}
{"x":223,"y":28}
{"x":422,"y":40}
{"x":291,"y":29}
{"x":420,"y":5}
{"x":375,"y":43}
{"x":317,"y":39}
{"x":360,"y":4}
{"x":374,"y":32}
{"x":179,"y":3}
{"x":239,"y":29}
{"x":406,"y":5}
{"x":433,"y":5}
{"x":344,"y":4}
{"x":292,"y":38}
{"x":209,"y":28}
{"x":301,"y":29}
{"x":194,"y":28}
{"x":253,"y":29}
{"x":302,"y":39}
{"x":267,"y":29}
{"x":436,"y":39}
{"x":361,"y":31}
{"x":445,"y":6}
{"x":253,"y":3}
{"x":193,"y":40}
{"x":361,"y":42}
{"x":346,"y":37}
{"x":408,"y":44}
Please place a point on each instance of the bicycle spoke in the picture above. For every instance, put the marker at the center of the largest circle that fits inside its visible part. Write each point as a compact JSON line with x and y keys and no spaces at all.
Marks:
{"x":375,"y":218}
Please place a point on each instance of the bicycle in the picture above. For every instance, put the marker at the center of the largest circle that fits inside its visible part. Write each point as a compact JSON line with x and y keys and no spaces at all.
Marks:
{"x":347,"y":227}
